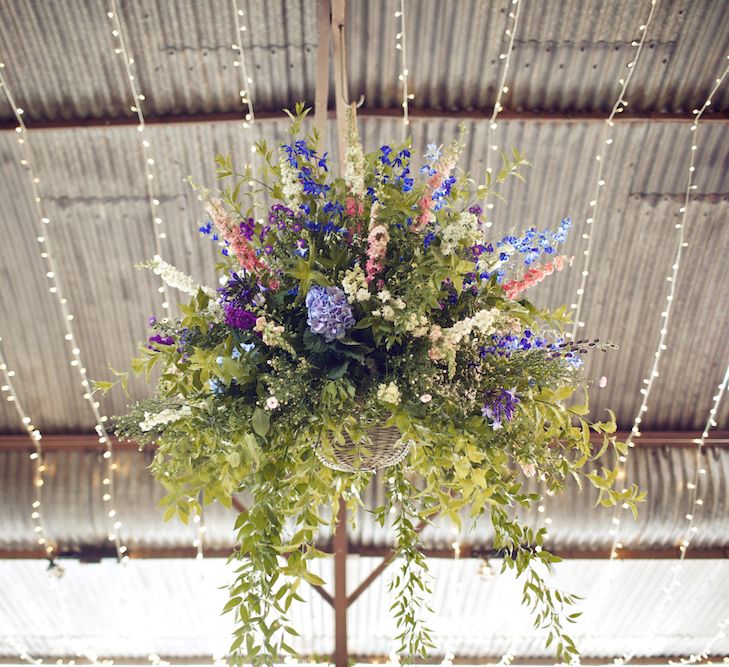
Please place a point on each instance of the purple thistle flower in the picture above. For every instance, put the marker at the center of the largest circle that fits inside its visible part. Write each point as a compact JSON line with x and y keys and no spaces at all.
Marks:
{"x":239,"y":318}
{"x":330,"y":315}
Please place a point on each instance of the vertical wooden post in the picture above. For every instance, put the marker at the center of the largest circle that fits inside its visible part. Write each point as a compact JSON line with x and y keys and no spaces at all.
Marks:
{"x":340,"y":77}
{"x":321,"y":92}
{"x":340,"y":587}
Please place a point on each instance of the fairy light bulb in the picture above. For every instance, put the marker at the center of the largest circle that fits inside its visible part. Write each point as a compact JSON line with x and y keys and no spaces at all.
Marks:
{"x":606,"y":141}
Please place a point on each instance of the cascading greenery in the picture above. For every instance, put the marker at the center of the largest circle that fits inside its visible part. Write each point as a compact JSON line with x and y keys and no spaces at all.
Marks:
{"x":372,"y":299}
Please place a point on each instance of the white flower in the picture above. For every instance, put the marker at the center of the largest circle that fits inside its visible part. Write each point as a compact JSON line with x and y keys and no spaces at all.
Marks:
{"x":388,"y":313}
{"x":362,"y":294}
{"x":417,"y":325}
{"x":388,"y":393}
{"x":484,"y":320}
{"x":271,"y":403}
{"x":399,"y":304}
{"x":176,"y":278}
{"x":464,"y":229}
{"x":292,"y":187}
{"x":166,"y":416}
{"x":354,"y":285}
{"x":384,"y":296}
{"x":354,"y":168}
{"x":426,"y":398}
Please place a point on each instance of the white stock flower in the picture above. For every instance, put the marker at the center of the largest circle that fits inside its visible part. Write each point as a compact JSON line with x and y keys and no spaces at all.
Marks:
{"x":176,"y":279}
{"x":166,"y":416}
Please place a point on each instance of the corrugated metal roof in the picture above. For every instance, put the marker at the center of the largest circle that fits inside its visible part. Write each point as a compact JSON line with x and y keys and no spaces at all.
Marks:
{"x":95,"y":194}
{"x":172,"y":608}
{"x":568,"y":55}
{"x":567,"y":58}
{"x":74,"y":514}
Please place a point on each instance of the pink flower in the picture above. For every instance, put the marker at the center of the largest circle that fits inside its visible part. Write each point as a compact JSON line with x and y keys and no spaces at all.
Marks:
{"x":376,"y":250}
{"x":532,"y":277}
{"x":434,"y":354}
{"x":353,"y":207}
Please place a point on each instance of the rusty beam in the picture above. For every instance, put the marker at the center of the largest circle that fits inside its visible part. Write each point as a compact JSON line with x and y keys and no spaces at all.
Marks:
{"x":89,"y":441}
{"x":415,"y":114}
{"x":373,"y":659}
{"x":372,"y":576}
{"x":92,"y":553}
{"x":340,"y":543}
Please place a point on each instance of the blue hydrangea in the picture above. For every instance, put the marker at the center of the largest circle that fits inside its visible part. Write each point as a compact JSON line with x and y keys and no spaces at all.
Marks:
{"x":329,"y":313}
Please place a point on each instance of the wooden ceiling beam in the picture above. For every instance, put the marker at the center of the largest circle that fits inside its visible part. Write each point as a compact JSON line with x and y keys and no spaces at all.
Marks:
{"x":95,"y":553}
{"x":395,"y":113}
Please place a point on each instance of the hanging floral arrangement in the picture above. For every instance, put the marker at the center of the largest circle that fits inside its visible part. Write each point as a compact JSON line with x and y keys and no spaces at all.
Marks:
{"x":365,"y":322}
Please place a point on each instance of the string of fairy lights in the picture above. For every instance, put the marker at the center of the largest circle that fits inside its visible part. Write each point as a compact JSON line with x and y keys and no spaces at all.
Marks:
{"x":704,"y":654}
{"x":672,"y":279}
{"x":510,"y":33}
{"x":36,"y":456}
{"x":606,"y":141}
{"x":246,"y":97}
{"x":44,"y":227}
{"x":121,"y":48}
{"x":693,"y":487}
{"x":401,"y":45}
{"x":695,"y":501}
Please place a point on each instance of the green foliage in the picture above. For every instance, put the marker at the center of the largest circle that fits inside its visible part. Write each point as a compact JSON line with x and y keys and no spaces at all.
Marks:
{"x":242,"y":409}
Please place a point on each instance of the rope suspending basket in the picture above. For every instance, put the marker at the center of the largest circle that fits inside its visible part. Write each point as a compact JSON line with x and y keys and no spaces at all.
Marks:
{"x":380,"y":447}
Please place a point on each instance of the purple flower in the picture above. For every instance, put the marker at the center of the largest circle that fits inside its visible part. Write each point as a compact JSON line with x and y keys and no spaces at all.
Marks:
{"x":239,"y":318}
{"x":248,"y":228}
{"x":330,"y":315}
{"x":162,"y":340}
{"x":500,"y":404}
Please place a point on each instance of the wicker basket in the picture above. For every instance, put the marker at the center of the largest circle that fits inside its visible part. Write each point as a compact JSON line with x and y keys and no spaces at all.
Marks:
{"x":382,"y":448}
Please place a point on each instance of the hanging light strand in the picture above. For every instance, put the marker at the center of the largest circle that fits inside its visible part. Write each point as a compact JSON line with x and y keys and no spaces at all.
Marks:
{"x":672,"y":280}
{"x":401,"y":45}
{"x":695,"y":501}
{"x":21,"y":652}
{"x":246,"y":97}
{"x":705,"y":653}
{"x":503,"y":88}
{"x":449,"y":648}
{"x":36,"y":456}
{"x":122,"y":49}
{"x":46,"y":252}
{"x":695,"y":504}
{"x":606,"y":141}
{"x":198,"y":520}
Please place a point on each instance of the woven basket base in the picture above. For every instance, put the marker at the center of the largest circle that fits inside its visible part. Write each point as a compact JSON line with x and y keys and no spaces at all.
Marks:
{"x":387,"y":449}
